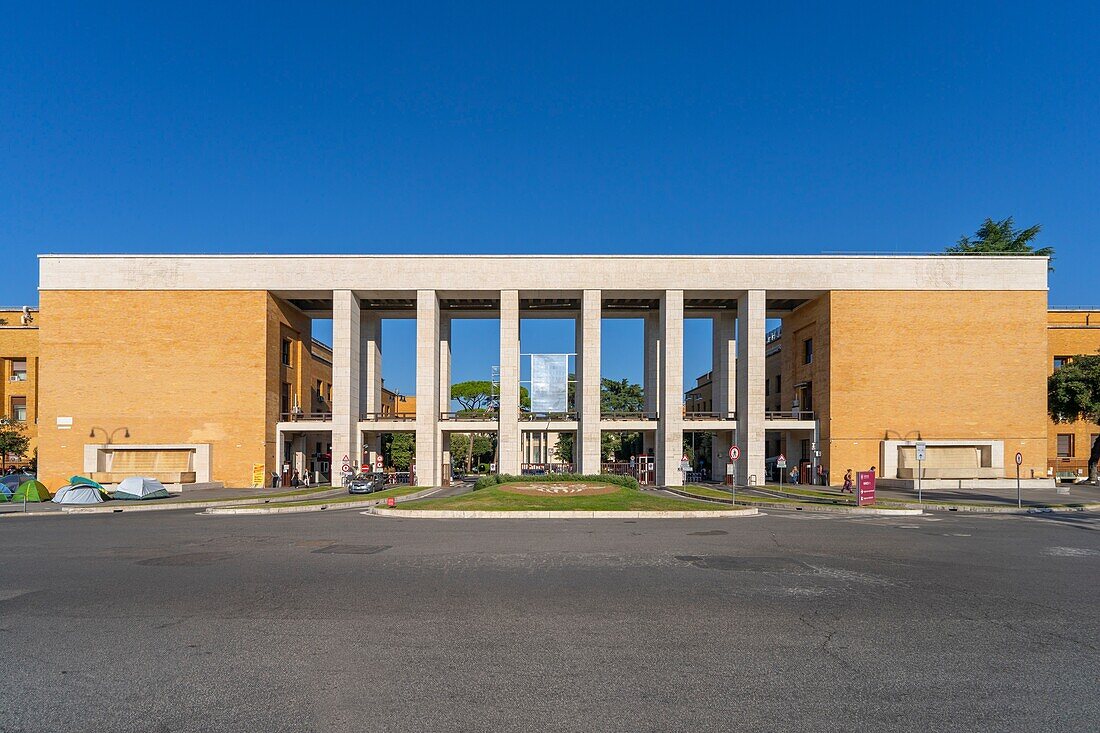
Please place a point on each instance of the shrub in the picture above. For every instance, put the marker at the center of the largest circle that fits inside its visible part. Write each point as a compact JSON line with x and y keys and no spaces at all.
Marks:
{"x":628,"y":482}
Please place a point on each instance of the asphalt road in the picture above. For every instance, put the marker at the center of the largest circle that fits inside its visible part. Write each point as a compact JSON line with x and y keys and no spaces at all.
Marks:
{"x":338,"y":622}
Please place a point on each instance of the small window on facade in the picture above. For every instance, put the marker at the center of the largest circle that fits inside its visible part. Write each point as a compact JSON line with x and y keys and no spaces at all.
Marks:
{"x":1060,"y":361}
{"x":1065,"y":445}
{"x":286,"y":352}
{"x":778,"y":383}
{"x":19,"y":409}
{"x":284,"y":399}
{"x":808,"y":351}
{"x":767,"y":387}
{"x":19,"y":370}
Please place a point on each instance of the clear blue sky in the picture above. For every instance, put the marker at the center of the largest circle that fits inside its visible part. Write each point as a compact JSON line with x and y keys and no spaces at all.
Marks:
{"x":587,"y":127}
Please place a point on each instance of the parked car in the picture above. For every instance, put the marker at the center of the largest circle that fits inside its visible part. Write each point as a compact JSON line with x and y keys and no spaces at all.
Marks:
{"x":367,"y":483}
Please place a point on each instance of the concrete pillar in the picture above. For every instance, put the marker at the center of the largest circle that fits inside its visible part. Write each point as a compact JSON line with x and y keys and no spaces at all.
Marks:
{"x":508,"y":457}
{"x":751,"y":323}
{"x":723,"y":388}
{"x":587,"y":451}
{"x":345,"y":379}
{"x":651,"y":358}
{"x":428,"y":454}
{"x":670,"y":428}
{"x":444,"y":364}
{"x":371,"y":360}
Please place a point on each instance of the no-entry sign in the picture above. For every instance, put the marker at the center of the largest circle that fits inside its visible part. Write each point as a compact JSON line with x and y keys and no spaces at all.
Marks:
{"x":735,"y":452}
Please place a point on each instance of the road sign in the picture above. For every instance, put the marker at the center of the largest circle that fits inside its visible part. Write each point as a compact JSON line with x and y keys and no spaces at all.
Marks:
{"x":346,"y":459}
{"x":685,"y":465}
{"x":1019,"y":459}
{"x":921,"y":450}
{"x":390,"y":501}
{"x":781,"y":462}
{"x":345,"y":468}
{"x":865,"y":491}
{"x":735,"y":452}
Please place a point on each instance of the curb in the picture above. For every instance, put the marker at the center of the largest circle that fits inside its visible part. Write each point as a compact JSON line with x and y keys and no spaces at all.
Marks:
{"x":335,"y":505}
{"x":809,"y":506}
{"x":106,"y":508}
{"x":976,"y":509}
{"x":564,"y":514}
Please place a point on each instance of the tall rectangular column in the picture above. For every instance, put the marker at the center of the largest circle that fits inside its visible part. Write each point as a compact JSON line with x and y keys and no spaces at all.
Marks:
{"x":428,"y":454}
{"x":670,"y":428}
{"x":723,"y":387}
{"x":587,"y":451}
{"x":508,"y":419}
{"x":751,"y":324}
{"x":444,"y":363}
{"x":371,"y":363}
{"x":345,"y":380}
{"x":651,"y":384}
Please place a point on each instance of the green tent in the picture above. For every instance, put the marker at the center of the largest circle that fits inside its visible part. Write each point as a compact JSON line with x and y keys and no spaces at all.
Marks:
{"x":31,"y":491}
{"x":3,"y":496}
{"x":84,"y":481}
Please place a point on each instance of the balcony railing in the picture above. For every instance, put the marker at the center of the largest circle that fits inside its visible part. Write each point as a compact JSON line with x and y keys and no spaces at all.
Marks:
{"x":470,"y":415}
{"x":548,"y":416}
{"x":789,"y":415}
{"x":696,"y":415}
{"x":397,"y":416}
{"x":299,"y":416}
{"x":627,"y":415}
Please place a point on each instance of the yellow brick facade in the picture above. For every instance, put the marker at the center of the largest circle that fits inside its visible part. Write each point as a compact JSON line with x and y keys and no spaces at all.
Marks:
{"x":1070,"y":334}
{"x":19,"y":373}
{"x":169,"y":367}
{"x":938,"y":365}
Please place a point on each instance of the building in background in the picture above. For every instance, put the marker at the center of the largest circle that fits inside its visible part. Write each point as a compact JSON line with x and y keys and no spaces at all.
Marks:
{"x":206,"y":364}
{"x":19,"y":375}
{"x":1071,"y":332}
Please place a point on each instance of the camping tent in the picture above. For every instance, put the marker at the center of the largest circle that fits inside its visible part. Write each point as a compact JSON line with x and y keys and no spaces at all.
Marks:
{"x":139,"y":487}
{"x":32,"y":490}
{"x":77,"y":494}
{"x":12,"y":480}
{"x":85,"y":481}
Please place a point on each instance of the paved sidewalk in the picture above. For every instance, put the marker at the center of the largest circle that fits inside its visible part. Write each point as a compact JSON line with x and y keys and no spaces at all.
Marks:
{"x":196,"y":495}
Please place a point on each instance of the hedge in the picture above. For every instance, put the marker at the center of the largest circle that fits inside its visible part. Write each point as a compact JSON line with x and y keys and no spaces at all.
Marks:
{"x":628,"y":482}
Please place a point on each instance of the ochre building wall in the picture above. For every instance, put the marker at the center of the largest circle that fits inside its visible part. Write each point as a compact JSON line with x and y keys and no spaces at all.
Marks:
{"x":946,"y":365}
{"x":1069,"y":334}
{"x":169,"y":366}
{"x":20,"y":342}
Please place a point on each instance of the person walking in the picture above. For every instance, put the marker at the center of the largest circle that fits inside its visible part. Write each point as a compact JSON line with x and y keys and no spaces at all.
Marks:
{"x":848,"y":482}
{"x":295,"y":480}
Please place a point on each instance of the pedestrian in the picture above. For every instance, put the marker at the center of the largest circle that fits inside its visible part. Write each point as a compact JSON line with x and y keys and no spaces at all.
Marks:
{"x":848,"y":481}
{"x":821,"y":475}
{"x":794,"y":474}
{"x":274,"y":479}
{"x":305,"y":480}
{"x":295,"y":480}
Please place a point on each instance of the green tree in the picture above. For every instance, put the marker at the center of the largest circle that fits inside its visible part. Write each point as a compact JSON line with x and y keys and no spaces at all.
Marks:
{"x":1073,"y":393}
{"x":399,"y":450}
{"x":621,"y":396}
{"x":1002,"y":236}
{"x":563,"y":448}
{"x":13,"y":440}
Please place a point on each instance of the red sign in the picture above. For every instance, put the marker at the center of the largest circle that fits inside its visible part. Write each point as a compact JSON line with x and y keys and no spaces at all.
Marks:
{"x":390,"y":501}
{"x":378,"y":461}
{"x":865,"y":483}
{"x":735,"y":452}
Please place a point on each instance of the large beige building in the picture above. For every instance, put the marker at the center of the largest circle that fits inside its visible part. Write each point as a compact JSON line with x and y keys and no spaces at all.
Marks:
{"x":877,"y":352}
{"x":1071,"y":332}
{"x":19,"y":375}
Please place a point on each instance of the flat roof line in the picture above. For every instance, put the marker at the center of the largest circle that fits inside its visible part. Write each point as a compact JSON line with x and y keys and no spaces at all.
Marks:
{"x":834,"y":256}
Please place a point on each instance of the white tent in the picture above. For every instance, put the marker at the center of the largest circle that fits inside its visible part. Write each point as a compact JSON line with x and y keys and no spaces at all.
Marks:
{"x":77,"y":495}
{"x":140,"y":487}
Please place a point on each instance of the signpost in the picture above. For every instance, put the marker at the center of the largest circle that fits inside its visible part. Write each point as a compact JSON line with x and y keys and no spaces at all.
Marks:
{"x":735,"y":453}
{"x":921,"y":447}
{"x":865,"y":488}
{"x":781,"y":466}
{"x":1019,"y":461}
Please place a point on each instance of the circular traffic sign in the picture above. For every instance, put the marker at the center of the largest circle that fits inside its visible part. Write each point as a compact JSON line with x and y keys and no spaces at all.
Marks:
{"x":1019,"y":458}
{"x":735,"y":452}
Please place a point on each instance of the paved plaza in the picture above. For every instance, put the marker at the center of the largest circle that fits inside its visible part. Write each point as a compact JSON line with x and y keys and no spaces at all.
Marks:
{"x":171,"y":621}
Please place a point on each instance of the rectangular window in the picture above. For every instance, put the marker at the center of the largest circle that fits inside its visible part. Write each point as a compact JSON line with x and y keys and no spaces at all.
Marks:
{"x":19,"y":370}
{"x":1060,"y":361}
{"x":286,"y":352}
{"x":1065,"y":445}
{"x":767,"y":387}
{"x":19,"y":409}
{"x":779,"y":384}
{"x":284,"y":399}
{"x":808,"y":351}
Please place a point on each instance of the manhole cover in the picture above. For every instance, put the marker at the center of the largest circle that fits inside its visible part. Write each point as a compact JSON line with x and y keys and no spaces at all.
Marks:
{"x":351,"y":549}
{"x":186,"y":559}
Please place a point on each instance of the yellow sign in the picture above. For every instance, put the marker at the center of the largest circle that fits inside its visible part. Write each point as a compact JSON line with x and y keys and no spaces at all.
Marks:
{"x":259,"y":475}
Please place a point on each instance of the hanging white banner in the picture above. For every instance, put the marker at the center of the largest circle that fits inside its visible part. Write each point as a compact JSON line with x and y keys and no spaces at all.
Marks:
{"x":549,"y":382}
